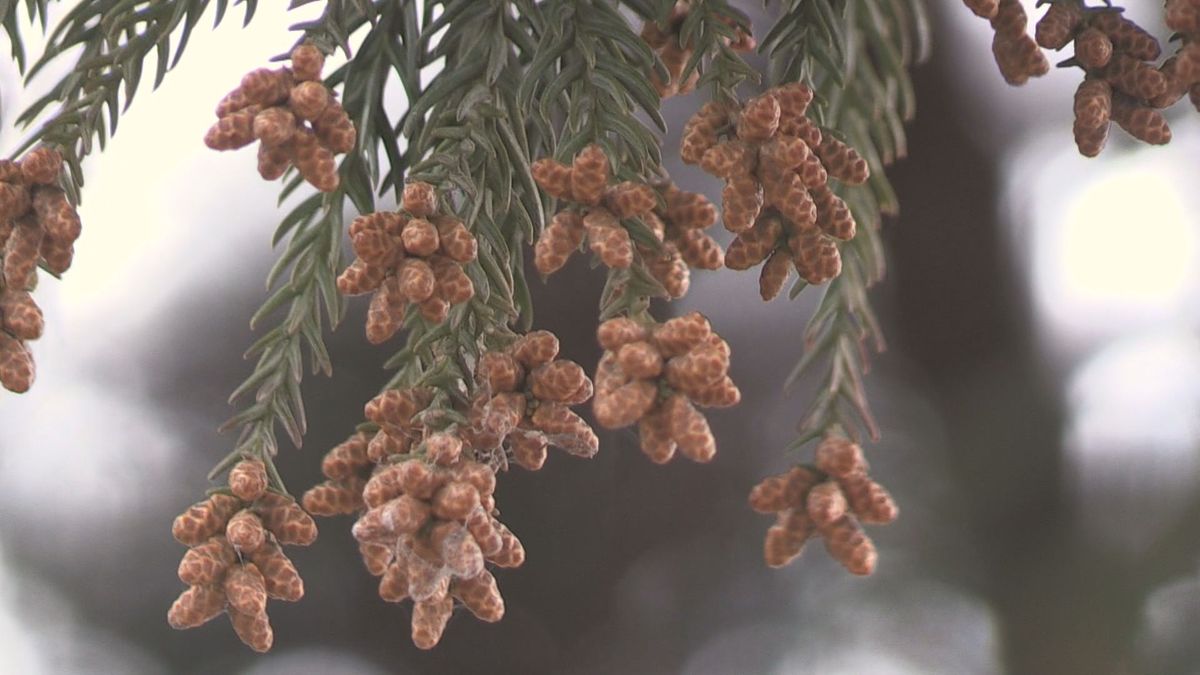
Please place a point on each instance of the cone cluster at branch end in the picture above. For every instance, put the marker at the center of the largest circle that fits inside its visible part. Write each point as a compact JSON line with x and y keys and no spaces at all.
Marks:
{"x":427,"y":519}
{"x":235,"y":560}
{"x":523,"y":403}
{"x":412,"y":257}
{"x":1122,"y":83}
{"x":676,"y":219}
{"x":38,"y":226}
{"x":292,"y":114}
{"x":656,"y":375}
{"x":831,"y":500}
{"x":778,"y":198}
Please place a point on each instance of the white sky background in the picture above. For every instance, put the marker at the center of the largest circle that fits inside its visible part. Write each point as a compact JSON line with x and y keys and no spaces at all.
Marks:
{"x":1109,"y":248}
{"x":164,"y":215}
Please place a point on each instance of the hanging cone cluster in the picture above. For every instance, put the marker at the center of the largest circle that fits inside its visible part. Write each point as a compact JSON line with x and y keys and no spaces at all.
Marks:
{"x":655,"y":376}
{"x":346,"y":469}
{"x":777,"y":166}
{"x":1121,"y":82}
{"x":681,"y":242}
{"x":38,"y":225}
{"x":293,"y":116}
{"x":675,"y":218}
{"x":523,"y":403}
{"x":434,"y":518}
{"x":411,"y":257}
{"x":1016,"y":54}
{"x":427,"y":514}
{"x":235,"y":559}
{"x":667,"y":43}
{"x":832,"y":499}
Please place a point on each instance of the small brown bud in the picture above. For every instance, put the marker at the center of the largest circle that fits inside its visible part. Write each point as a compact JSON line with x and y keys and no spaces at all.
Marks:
{"x":314,"y":161}
{"x":20,"y":315}
{"x":536,"y":348}
{"x":759,"y":118}
{"x":654,"y":431}
{"x":233,"y":131}
{"x":429,"y":621}
{"x":206,"y":563}
{"x":334,"y":498}
{"x":480,"y":595}
{"x":254,"y":630}
{"x":689,"y":429}
{"x":850,"y":546}
{"x":589,"y":175}
{"x":41,"y":165}
{"x":280,"y":577}
{"x":245,"y":532}
{"x":308,"y":100}
{"x":553,"y":176}
{"x":248,"y":479}
{"x":334,"y":128}
{"x":203,"y":519}
{"x":681,"y":334}
{"x":246,"y":589}
{"x":286,"y":520}
{"x":419,"y":199}
{"x":274,"y":126}
{"x":307,"y":62}
{"x":273,"y":162}
{"x":347,"y":458}
{"x":196,"y":606}
{"x":266,"y":87}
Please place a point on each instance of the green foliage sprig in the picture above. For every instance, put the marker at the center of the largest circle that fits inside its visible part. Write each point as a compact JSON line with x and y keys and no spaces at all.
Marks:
{"x":468,"y":136}
{"x":856,"y":54}
{"x":305,"y":298}
{"x":113,"y":39}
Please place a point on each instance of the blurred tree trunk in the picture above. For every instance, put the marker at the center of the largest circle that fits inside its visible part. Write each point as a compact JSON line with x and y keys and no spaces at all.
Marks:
{"x":958,"y":312}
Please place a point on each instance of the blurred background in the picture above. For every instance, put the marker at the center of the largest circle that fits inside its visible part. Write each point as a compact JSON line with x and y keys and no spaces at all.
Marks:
{"x":1038,"y":402}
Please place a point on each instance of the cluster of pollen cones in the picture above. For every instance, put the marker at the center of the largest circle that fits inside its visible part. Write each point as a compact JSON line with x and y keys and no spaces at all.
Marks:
{"x":427,"y":520}
{"x":38,"y":226}
{"x":422,"y":481}
{"x":600,"y":213}
{"x":655,"y":376}
{"x":293,"y":116}
{"x":413,"y":257}
{"x":1123,"y":82}
{"x":235,"y":560}
{"x":830,"y":500}
{"x":778,"y":167}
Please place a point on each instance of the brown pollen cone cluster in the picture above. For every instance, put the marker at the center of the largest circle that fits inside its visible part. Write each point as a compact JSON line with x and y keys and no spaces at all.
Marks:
{"x":411,"y":257}
{"x":293,"y":116}
{"x":1121,"y":82}
{"x":676,"y":218}
{"x":667,"y":43}
{"x":523,"y":402}
{"x":655,"y":376}
{"x":427,"y":523}
{"x":1016,"y":54}
{"x":346,"y":469}
{"x":38,"y":224}
{"x":777,"y":166}
{"x":832,"y":500}
{"x":235,"y":559}
{"x":681,"y":241}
